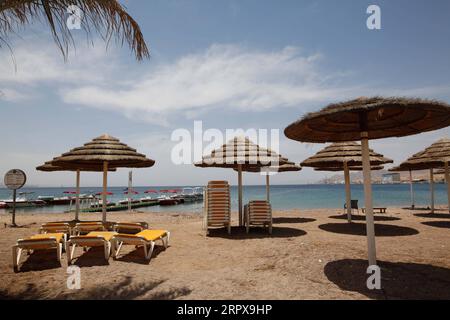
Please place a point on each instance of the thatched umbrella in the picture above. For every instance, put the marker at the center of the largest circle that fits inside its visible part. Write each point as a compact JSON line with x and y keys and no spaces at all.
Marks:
{"x":106,"y":152}
{"x":108,"y":18}
{"x":370,"y":118}
{"x":337,"y":169}
{"x":436,"y":156}
{"x":288,"y":167}
{"x":50,"y":167}
{"x":410,"y":166}
{"x":344,"y":155}
{"x":241,"y":153}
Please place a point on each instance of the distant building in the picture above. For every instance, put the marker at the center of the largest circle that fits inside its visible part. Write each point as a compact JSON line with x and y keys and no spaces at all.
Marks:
{"x":390,"y":178}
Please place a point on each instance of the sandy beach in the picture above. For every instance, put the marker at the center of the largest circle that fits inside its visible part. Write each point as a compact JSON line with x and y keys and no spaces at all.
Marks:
{"x":312,"y":254}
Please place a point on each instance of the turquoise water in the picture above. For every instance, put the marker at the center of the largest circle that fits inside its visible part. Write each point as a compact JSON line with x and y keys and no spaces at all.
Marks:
{"x":282,"y":196}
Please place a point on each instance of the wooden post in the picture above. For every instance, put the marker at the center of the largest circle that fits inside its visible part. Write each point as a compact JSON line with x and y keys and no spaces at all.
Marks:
{"x":267,"y":187}
{"x":105,"y":183}
{"x":348,"y":195}
{"x":371,"y":246}
{"x":77,"y":199}
{"x":432,"y":189}
{"x":13,"y":222}
{"x":241,"y":217}
{"x":447,"y":179}
{"x":130,"y":179}
{"x":411,"y":190}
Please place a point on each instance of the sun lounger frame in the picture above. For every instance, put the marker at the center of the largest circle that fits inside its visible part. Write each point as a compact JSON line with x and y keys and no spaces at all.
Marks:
{"x":130,"y":226}
{"x":86,"y":227}
{"x":36,"y":244}
{"x":217,"y":206}
{"x":258,"y":213}
{"x":55,"y":227}
{"x":148,"y":245}
{"x":88,"y":241}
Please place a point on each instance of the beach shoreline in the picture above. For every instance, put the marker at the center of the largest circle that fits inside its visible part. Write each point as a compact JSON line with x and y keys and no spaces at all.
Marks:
{"x":312,"y":254}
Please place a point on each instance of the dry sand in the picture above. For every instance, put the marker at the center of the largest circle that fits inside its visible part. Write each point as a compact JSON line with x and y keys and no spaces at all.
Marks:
{"x":311,"y":255}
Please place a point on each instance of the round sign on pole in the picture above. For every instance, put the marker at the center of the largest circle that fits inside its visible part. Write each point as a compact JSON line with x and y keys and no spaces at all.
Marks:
{"x":15,"y":179}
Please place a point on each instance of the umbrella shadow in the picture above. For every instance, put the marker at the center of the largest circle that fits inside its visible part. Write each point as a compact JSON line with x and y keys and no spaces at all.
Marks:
{"x":433,"y":215}
{"x":127,"y":290}
{"x":359,"y":229}
{"x":137,"y":255}
{"x":239,"y":233}
{"x":40,"y":260}
{"x":292,"y":220}
{"x":94,"y":256}
{"x":399,"y":280}
{"x":124,"y":289}
{"x":363,"y":218}
{"x":437,"y":224}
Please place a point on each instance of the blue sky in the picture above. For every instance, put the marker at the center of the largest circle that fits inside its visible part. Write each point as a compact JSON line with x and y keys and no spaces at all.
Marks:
{"x":231,"y":64}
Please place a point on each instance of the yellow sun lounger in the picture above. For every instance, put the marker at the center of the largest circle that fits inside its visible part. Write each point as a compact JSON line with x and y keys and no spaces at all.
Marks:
{"x":86,"y":227}
{"x":55,"y":227}
{"x":92,"y":239}
{"x":39,"y":242}
{"x":130,"y":227}
{"x":145,"y":238}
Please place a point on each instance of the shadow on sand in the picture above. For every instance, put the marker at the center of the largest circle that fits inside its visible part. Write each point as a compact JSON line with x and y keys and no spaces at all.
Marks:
{"x":137,"y":255}
{"x":433,"y":215}
{"x":239,"y":233}
{"x":399,"y":280}
{"x":124,"y":290}
{"x":363,"y":218}
{"x":438,"y":224}
{"x":292,"y":220}
{"x":359,"y":229}
{"x":39,"y":260}
{"x":94,"y":256}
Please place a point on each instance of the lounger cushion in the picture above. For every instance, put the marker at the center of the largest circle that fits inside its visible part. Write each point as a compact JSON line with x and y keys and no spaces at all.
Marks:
{"x":45,"y":236}
{"x":151,"y":235}
{"x":107,"y":235}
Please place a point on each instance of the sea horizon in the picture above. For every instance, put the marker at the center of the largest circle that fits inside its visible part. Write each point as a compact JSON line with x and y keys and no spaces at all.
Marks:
{"x":282,"y":197}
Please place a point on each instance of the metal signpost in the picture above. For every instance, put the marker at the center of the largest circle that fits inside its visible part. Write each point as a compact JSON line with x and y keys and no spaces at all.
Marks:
{"x":14,"y":179}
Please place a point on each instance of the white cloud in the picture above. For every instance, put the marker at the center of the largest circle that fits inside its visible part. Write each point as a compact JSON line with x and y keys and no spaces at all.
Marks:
{"x":39,"y":63}
{"x":226,"y":76}
{"x":12,"y":95}
{"x":221,"y":76}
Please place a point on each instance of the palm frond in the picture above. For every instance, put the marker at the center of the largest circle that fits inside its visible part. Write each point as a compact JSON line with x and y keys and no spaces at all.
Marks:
{"x":107,"y":17}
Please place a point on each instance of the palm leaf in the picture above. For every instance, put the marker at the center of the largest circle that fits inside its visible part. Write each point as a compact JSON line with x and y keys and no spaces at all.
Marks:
{"x":107,"y":17}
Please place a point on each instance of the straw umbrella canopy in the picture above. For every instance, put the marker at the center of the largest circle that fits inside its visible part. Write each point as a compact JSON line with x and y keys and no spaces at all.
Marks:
{"x":437,"y":156}
{"x":370,"y":118}
{"x":240,"y":153}
{"x":344,"y":155}
{"x":288,"y":167}
{"x":411,"y":165}
{"x":106,"y":152}
{"x":50,"y":167}
{"x":337,"y":169}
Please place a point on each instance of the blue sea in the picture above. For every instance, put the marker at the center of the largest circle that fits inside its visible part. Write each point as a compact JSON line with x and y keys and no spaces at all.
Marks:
{"x":282,"y":196}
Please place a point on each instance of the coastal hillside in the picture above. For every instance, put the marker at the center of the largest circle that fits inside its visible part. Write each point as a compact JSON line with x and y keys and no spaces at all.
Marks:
{"x":377,"y":177}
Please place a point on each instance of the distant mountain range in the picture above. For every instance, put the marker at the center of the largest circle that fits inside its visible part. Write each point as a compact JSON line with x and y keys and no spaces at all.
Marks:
{"x":357,"y":177}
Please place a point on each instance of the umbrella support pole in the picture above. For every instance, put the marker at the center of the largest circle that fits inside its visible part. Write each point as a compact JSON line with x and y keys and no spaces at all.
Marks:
{"x":371,"y":246}
{"x":267,"y":187}
{"x":105,"y":183}
{"x":432,"y":190}
{"x":241,"y":217}
{"x":447,"y":179}
{"x":411,"y":190}
{"x":77,"y":199}
{"x":348,"y":195}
